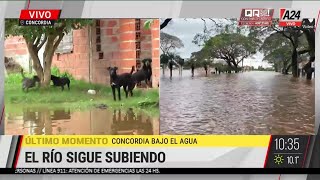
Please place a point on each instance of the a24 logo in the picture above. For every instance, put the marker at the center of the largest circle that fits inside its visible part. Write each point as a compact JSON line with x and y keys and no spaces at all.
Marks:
{"x":290,"y":15}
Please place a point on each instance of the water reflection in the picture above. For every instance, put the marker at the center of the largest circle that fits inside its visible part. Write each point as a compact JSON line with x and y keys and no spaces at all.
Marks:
{"x":41,"y":121}
{"x":243,"y":103}
{"x":130,"y":124}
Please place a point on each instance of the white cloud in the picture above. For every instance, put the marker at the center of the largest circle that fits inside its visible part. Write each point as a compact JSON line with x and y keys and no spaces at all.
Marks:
{"x":186,"y":29}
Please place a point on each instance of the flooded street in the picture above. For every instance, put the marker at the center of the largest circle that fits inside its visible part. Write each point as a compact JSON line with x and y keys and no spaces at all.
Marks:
{"x":254,"y":102}
{"x":42,"y":121}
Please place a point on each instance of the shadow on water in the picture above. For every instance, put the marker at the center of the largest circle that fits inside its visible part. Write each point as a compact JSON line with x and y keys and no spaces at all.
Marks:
{"x":243,"y":103}
{"x":44,"y":121}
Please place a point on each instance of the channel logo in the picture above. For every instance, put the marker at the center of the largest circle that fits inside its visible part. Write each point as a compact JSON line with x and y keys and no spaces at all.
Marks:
{"x":290,"y":17}
{"x":256,"y":17}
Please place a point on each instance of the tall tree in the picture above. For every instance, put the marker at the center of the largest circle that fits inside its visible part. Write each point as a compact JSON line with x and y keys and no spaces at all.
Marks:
{"x":169,"y":43}
{"x":310,"y":36}
{"x":200,"y":57}
{"x":47,"y":36}
{"x":294,"y":35}
{"x":277,"y":51}
{"x":233,"y":48}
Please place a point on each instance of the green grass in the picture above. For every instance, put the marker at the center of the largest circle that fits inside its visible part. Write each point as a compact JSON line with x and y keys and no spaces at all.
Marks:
{"x":77,"y":98}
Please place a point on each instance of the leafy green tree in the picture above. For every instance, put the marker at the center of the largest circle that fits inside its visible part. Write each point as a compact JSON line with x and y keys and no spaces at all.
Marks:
{"x":37,"y":37}
{"x":165,"y":58}
{"x":233,"y":48}
{"x":169,"y":43}
{"x":227,"y":25}
{"x":286,"y":48}
{"x":277,"y":50}
{"x":298,"y":36}
{"x":310,"y":37}
{"x":200,"y":57}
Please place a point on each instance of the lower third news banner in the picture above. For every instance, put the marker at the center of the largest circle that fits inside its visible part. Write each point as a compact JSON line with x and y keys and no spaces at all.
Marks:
{"x":178,"y":154}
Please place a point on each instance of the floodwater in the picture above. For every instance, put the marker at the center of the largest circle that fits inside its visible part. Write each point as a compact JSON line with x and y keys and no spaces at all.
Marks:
{"x":243,"y":103}
{"x":42,"y":121}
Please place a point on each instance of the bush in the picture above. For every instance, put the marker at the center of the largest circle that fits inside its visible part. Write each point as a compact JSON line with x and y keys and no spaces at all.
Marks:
{"x":14,"y":78}
{"x":55,"y":71}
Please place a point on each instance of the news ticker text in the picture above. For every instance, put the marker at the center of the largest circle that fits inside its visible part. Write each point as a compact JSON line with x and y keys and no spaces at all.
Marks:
{"x":159,"y":171}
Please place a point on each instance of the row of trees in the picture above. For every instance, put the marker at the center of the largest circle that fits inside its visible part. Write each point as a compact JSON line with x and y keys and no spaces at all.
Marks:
{"x":281,"y":46}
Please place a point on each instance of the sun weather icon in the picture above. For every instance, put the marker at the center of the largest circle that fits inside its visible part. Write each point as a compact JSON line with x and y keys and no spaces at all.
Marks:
{"x":278,"y":159}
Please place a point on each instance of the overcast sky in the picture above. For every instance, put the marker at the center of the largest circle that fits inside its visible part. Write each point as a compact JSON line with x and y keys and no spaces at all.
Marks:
{"x":186,"y":29}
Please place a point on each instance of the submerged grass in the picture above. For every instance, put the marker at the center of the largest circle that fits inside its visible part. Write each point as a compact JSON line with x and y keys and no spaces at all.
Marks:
{"x":77,"y":97}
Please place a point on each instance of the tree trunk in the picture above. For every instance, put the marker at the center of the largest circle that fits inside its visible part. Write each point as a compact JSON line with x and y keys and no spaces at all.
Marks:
{"x":275,"y":67}
{"x":44,"y":72}
{"x":309,"y":75}
{"x":47,"y":69}
{"x":287,"y":69}
{"x":47,"y":60}
{"x":310,"y":36}
{"x":229,"y":70}
{"x":236,"y":69}
{"x":294,"y":62}
{"x":35,"y":60}
{"x":163,"y":69}
{"x":235,"y":65}
{"x":308,"y":68}
{"x":284,"y":66}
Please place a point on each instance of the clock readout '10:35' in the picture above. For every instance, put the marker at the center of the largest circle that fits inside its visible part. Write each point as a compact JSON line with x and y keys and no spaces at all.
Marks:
{"x":287,"y":144}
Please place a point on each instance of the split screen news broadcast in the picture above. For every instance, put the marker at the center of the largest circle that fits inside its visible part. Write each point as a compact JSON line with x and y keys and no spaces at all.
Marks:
{"x":160,"y":89}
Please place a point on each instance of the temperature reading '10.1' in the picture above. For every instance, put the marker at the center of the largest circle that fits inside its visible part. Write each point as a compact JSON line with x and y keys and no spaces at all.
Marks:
{"x":289,"y":144}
